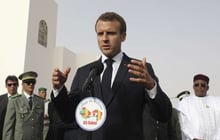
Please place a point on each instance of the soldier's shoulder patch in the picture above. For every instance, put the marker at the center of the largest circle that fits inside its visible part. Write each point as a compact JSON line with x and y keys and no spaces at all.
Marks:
{"x":15,"y":96}
{"x":39,"y":97}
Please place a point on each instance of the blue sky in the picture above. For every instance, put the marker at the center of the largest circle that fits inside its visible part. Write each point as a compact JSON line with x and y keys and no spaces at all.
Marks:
{"x":179,"y":37}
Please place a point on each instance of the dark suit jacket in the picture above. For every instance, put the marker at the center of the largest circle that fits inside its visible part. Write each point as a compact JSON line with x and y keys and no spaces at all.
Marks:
{"x":124,"y":108}
{"x":56,"y":125}
{"x":155,"y":130}
{"x":3,"y":108}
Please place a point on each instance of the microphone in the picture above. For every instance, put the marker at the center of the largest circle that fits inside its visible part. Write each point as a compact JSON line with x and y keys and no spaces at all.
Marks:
{"x":95,"y":70}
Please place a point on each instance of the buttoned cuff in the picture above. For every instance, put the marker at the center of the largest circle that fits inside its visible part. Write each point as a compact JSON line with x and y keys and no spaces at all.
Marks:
{"x":153,"y":92}
{"x":56,"y":91}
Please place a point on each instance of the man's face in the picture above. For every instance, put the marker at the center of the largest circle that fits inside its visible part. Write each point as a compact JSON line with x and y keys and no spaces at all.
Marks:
{"x":28,"y":85}
{"x":109,"y":37}
{"x":42,"y":94}
{"x":12,"y":87}
{"x":200,"y":88}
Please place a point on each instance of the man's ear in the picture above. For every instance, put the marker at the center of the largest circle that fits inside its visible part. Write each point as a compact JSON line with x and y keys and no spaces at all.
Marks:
{"x":123,"y":36}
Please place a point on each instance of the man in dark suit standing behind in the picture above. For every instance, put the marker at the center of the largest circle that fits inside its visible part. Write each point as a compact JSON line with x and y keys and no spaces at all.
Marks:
{"x":56,"y":125}
{"x":132,"y":85}
{"x":11,"y":83}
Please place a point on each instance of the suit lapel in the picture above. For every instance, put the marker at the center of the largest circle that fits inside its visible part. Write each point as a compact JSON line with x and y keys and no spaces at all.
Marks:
{"x":25,"y":101}
{"x":5,"y":100}
{"x":97,"y":88}
{"x":97,"y":85}
{"x":121,"y":73}
{"x":36,"y":102}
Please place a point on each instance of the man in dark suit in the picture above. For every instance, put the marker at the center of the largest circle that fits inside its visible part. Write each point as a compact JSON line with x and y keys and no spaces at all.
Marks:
{"x":56,"y":125}
{"x":170,"y":130}
{"x":24,"y":115}
{"x":11,"y":83}
{"x":133,"y":85}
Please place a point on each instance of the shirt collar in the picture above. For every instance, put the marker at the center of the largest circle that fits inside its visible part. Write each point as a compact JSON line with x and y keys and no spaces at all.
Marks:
{"x":116,"y":58}
{"x":27,"y":95}
{"x":9,"y":95}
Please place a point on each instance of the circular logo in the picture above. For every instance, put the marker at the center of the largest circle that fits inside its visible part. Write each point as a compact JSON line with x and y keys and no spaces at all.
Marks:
{"x":90,"y":114}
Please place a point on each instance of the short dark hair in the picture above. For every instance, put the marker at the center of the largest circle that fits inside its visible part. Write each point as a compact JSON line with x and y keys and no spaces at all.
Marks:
{"x":110,"y":16}
{"x":12,"y":78}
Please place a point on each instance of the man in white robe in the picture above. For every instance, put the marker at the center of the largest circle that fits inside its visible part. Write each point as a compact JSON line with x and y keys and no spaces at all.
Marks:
{"x":199,"y":114}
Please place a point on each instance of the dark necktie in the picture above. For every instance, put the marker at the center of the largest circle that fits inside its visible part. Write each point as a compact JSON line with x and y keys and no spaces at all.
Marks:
{"x":106,"y":80}
{"x":30,"y":101}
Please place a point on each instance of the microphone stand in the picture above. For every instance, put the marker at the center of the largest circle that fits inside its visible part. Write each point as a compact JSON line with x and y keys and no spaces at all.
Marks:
{"x":89,"y":90}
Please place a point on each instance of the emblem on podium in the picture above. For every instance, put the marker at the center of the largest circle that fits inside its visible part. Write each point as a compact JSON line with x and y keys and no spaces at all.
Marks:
{"x":90,"y":114}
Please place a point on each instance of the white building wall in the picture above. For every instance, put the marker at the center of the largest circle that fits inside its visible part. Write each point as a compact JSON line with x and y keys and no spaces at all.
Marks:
{"x":62,"y":59}
{"x":13,"y":35}
{"x":42,"y":10}
{"x":83,"y":59}
{"x":39,"y":58}
{"x":20,"y":50}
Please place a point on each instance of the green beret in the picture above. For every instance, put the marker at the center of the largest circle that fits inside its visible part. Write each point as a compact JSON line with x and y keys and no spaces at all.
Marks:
{"x":28,"y":75}
{"x":42,"y":89}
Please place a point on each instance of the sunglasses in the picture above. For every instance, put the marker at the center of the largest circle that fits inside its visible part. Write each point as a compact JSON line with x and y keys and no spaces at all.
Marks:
{"x":12,"y":84}
{"x":30,"y":81}
{"x":200,"y":84}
